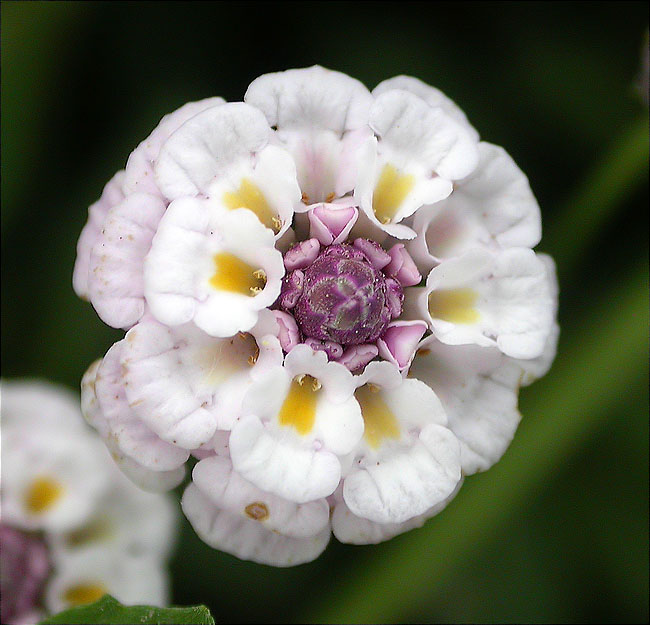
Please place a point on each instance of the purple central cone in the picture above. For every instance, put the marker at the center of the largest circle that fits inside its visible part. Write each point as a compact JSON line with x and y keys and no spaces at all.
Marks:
{"x":340,"y":297}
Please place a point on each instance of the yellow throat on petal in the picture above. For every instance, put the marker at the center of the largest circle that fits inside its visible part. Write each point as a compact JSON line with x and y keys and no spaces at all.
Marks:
{"x":221,"y":359}
{"x":43,"y":493}
{"x":234,"y":275}
{"x":251,"y":197}
{"x":454,"y":305}
{"x":80,"y":594}
{"x":390,"y":192}
{"x":299,"y":407}
{"x":379,"y":421}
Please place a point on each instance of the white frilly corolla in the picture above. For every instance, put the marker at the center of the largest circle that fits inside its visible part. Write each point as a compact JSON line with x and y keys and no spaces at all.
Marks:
{"x":62,"y":493}
{"x":331,"y":301}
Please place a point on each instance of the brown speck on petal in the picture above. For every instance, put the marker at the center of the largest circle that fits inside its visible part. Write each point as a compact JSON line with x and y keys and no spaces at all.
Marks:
{"x":257,"y":511}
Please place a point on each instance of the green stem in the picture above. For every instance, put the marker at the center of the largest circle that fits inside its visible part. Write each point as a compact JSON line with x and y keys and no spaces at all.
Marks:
{"x":621,"y":170}
{"x":593,"y":372}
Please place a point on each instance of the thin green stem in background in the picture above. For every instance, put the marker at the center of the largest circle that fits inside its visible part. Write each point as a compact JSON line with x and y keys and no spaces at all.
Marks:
{"x":607,"y":185}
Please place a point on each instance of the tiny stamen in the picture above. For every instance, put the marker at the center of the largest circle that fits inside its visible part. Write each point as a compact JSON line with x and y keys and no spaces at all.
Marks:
{"x":300,"y":379}
{"x":316,"y":385}
{"x":305,"y":198}
{"x":255,"y":290}
{"x":277,"y":224}
{"x":260,"y":274}
{"x":330,"y":197}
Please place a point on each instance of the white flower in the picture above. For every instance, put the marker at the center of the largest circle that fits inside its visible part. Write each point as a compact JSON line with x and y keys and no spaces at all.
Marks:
{"x":59,"y":480}
{"x":331,"y":300}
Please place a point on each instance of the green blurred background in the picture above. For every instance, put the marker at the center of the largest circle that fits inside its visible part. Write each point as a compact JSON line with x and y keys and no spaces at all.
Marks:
{"x":558,"y":530}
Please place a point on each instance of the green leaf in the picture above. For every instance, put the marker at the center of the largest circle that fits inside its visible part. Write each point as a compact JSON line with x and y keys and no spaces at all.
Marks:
{"x":108,"y":610}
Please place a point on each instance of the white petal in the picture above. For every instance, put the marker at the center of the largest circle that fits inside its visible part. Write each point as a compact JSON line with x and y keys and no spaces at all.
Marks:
{"x":228,"y":491}
{"x":420,"y":151}
{"x":536,"y":368}
{"x":130,"y":434}
{"x":206,"y":144}
{"x":407,"y":482}
{"x":283,"y":465}
{"x":111,"y":195}
{"x":131,"y":580}
{"x":180,"y":269}
{"x":349,"y":528}
{"x":489,"y":299}
{"x":146,"y":479}
{"x":270,"y":179}
{"x":321,"y":118}
{"x":245,"y":538}
{"x":432,"y":96}
{"x":408,"y":461}
{"x":115,"y":284}
{"x":54,"y":470}
{"x":414,"y":132}
{"x":112,"y":526}
{"x":173,"y":373}
{"x":178,"y":417}
{"x":478,"y":387}
{"x":382,"y":373}
{"x":336,"y":422}
{"x":90,"y":409}
{"x":23,"y":400}
{"x":338,"y":383}
{"x":139,"y":168}
{"x":493,"y":207}
{"x":311,"y":98}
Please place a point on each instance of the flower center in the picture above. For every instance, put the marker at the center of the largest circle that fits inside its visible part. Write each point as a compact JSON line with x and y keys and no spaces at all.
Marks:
{"x":341,"y":297}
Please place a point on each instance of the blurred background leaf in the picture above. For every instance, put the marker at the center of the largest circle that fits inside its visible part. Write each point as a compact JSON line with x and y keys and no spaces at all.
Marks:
{"x":558,"y":530}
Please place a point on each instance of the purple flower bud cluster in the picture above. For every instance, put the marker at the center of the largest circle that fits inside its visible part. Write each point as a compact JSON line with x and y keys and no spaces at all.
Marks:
{"x":338,"y":295}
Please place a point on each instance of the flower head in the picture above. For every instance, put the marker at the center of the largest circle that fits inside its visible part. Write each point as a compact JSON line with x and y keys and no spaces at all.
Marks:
{"x":331,"y":300}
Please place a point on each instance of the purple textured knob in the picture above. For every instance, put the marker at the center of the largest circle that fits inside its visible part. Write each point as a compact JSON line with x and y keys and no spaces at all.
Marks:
{"x":343,"y":299}
{"x":24,"y":570}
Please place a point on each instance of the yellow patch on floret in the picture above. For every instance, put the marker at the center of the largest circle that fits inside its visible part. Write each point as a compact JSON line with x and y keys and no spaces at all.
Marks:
{"x":80,"y":594}
{"x":299,"y":407}
{"x":220,"y":359}
{"x":454,"y":305}
{"x":42,"y":494}
{"x":379,"y":421}
{"x":98,"y":530}
{"x":234,"y":275}
{"x":250,"y":196}
{"x":391,"y":190}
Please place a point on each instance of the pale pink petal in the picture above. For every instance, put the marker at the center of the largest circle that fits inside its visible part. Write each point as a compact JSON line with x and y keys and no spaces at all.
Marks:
{"x":402,"y":267}
{"x":356,"y":357}
{"x":332,"y":225}
{"x":288,"y":333}
{"x":302,"y":254}
{"x":375,"y":252}
{"x":399,"y":341}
